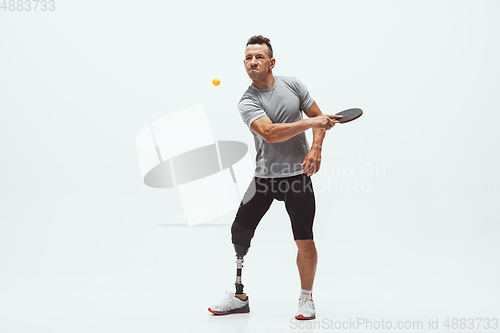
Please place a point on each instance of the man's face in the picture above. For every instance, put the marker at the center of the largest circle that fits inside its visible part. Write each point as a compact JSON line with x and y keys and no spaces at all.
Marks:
{"x":257,"y":61}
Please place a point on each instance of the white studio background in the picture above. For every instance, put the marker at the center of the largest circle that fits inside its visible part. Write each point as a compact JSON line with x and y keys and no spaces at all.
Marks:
{"x":86,"y":246}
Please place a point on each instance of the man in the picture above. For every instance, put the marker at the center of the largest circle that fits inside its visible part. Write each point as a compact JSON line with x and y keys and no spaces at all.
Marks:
{"x":272,"y":108}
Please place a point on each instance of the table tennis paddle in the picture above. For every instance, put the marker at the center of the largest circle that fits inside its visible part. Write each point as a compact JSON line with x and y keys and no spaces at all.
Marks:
{"x":349,"y":115}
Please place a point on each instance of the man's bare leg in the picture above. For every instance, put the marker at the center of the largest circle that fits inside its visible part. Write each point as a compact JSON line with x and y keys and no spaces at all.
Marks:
{"x":307,"y":259}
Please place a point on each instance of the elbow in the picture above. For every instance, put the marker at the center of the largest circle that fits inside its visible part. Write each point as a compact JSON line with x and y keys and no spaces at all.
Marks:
{"x":269,"y":135}
{"x":269,"y":139}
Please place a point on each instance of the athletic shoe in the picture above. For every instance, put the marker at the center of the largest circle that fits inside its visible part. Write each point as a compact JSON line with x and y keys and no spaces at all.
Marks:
{"x":306,"y":309}
{"x":230,"y":304}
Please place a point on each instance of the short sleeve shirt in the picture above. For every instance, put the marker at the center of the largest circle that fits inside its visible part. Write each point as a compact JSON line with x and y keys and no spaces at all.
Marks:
{"x":284,"y":102}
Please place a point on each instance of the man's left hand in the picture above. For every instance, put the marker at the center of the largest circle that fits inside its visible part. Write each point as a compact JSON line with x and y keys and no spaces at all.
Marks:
{"x":312,"y":162}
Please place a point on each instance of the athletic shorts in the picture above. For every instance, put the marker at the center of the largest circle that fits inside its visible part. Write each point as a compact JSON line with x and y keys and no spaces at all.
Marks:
{"x":297,"y":193}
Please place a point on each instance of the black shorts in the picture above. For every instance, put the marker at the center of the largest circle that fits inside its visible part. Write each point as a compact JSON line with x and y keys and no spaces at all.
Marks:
{"x":297,"y":193}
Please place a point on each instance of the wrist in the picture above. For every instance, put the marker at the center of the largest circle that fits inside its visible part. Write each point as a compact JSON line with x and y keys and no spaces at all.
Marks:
{"x":309,"y":123}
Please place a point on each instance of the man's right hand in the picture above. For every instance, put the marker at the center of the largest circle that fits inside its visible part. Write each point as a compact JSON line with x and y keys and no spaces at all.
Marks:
{"x":325,"y":121}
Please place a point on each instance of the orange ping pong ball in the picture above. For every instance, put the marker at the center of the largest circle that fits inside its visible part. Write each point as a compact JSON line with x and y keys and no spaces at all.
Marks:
{"x":216,"y":82}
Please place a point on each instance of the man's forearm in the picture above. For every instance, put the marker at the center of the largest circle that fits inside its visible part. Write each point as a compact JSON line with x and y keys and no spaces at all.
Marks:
{"x":318,"y":136}
{"x":280,"y":132}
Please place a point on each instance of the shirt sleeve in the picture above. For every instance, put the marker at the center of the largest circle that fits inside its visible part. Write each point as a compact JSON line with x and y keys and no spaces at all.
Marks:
{"x":306,"y":101}
{"x":250,"y":111}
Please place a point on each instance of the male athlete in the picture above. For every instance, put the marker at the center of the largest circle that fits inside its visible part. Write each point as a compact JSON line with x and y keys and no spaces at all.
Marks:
{"x":272,"y":108}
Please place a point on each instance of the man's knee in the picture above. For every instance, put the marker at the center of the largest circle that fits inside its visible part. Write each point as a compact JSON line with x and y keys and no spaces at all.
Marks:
{"x":305,"y":246}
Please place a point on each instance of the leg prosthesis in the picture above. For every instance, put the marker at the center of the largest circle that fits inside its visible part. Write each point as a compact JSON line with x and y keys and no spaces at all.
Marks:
{"x":241,"y":238}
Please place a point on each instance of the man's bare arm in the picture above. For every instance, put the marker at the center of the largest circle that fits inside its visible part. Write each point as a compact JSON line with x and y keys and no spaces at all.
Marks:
{"x":280,"y":132}
{"x":312,"y":161}
{"x":318,"y":133}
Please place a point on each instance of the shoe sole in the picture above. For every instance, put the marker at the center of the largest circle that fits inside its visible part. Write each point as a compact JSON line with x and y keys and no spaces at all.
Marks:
{"x":301,"y":317}
{"x":225,"y":314}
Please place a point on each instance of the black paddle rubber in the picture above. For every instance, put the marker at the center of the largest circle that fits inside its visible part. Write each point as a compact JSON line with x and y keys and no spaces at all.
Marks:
{"x":349,"y":115}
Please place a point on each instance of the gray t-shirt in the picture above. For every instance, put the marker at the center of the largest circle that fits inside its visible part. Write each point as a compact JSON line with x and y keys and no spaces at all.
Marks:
{"x":282,"y":103}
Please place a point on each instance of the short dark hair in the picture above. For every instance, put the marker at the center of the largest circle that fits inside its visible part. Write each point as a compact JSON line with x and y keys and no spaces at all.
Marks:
{"x":259,"y":39}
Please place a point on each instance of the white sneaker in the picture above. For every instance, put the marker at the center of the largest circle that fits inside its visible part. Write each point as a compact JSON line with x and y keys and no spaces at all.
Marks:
{"x":306,"y":309}
{"x":230,"y":304}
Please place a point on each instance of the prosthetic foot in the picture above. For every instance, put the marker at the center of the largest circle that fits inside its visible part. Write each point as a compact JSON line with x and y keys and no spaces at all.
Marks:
{"x":234,"y":302}
{"x":230,"y":305}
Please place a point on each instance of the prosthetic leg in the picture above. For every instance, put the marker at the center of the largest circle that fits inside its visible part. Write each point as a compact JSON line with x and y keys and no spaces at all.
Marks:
{"x":239,"y":266}
{"x":237,"y":302}
{"x":241,"y":238}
